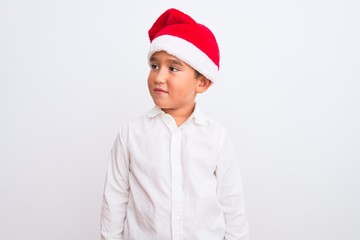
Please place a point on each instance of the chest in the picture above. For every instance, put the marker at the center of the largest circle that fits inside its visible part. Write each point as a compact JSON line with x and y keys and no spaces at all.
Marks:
{"x":157,"y":152}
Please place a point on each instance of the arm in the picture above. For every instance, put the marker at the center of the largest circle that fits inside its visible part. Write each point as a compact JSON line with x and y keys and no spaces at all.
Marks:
{"x":116,"y":193}
{"x":230,"y":194}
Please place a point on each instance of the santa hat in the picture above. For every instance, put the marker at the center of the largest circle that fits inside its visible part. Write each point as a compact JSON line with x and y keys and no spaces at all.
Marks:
{"x":181,"y":36}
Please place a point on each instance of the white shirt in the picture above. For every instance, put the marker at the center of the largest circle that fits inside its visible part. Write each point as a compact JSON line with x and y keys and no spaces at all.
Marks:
{"x":167,"y":182}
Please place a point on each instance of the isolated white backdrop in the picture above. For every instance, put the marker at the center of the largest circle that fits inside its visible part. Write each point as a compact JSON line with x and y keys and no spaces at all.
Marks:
{"x":72,"y":71}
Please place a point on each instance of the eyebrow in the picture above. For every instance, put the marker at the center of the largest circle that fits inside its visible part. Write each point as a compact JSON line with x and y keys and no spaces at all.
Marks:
{"x":171,"y":61}
{"x":177,"y":62}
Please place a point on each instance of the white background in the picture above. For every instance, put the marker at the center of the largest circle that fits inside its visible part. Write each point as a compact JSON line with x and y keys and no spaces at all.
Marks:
{"x":72,"y":71}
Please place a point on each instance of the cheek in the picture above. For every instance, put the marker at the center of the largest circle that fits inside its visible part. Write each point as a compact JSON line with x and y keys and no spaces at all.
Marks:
{"x":149,"y":79}
{"x":183,"y":91}
{"x":185,"y":88}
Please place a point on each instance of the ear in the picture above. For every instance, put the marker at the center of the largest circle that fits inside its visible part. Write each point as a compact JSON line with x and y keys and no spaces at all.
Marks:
{"x":203,"y":84}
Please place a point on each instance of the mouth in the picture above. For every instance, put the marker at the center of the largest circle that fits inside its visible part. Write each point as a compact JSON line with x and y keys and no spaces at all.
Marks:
{"x":159,"y":90}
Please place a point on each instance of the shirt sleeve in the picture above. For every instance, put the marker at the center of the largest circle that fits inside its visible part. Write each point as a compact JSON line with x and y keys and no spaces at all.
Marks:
{"x":230,"y":193}
{"x":116,"y":193}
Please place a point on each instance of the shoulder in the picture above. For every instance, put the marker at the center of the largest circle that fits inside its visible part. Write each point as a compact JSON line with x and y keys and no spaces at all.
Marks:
{"x":218,"y":129}
{"x":211,"y":130}
{"x":136,"y":122}
{"x":212,"y":124}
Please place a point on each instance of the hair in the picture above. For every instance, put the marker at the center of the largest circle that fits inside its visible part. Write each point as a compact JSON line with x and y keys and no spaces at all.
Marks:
{"x":197,"y":74}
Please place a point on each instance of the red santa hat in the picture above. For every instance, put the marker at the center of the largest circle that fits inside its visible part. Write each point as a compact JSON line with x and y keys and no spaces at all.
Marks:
{"x":181,"y":36}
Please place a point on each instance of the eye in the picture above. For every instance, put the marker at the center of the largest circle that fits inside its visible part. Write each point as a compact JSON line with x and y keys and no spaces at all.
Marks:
{"x":154,"y":66}
{"x":173,"y":69}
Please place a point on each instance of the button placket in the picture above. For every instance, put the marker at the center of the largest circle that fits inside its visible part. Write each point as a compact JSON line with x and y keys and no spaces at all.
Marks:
{"x":176,"y":184}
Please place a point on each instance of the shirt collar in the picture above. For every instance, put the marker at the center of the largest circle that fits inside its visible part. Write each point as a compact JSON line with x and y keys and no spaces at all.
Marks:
{"x":197,"y":115}
{"x":154,"y":112}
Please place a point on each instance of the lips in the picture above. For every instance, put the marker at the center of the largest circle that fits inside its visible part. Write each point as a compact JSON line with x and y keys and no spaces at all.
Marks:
{"x":159,"y":90}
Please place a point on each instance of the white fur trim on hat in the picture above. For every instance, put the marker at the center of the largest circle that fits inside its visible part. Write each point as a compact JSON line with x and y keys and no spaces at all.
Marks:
{"x":186,"y":52}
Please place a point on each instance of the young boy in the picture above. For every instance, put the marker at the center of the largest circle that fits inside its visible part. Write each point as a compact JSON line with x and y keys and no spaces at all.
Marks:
{"x":173,"y":173}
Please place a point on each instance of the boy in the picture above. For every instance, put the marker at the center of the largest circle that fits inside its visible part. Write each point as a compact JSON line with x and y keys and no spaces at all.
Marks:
{"x":173,"y":173}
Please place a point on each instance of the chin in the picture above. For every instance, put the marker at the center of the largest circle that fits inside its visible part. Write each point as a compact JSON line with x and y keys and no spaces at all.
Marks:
{"x":160,"y":104}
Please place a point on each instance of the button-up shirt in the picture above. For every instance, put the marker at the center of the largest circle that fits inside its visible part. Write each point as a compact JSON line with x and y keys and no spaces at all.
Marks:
{"x":173,"y":182}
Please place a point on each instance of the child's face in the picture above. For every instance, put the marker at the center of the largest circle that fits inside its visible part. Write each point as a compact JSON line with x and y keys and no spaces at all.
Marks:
{"x":172,"y":83}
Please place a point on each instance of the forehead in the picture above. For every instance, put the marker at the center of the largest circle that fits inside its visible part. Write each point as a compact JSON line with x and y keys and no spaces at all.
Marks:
{"x":164,"y":56}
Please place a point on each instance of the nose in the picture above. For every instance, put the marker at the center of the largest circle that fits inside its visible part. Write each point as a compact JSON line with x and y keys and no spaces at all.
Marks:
{"x":160,"y":76}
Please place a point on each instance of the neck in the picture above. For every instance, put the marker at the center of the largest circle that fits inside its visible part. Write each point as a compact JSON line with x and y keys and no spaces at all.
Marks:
{"x":180,"y":115}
